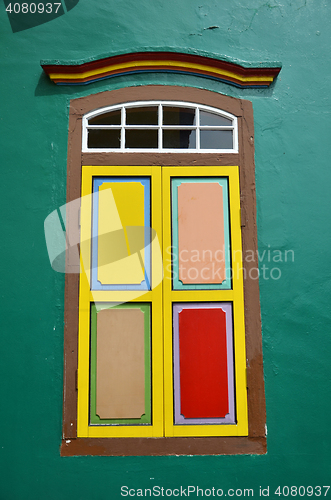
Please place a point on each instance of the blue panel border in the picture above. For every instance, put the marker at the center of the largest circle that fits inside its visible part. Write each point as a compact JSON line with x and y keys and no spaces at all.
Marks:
{"x":97,"y":182}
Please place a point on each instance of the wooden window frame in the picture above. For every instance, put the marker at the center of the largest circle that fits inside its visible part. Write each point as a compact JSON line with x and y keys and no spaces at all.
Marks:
{"x":255,"y":442}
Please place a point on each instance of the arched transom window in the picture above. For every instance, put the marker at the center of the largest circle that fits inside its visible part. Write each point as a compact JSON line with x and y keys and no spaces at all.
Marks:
{"x":165,"y":126}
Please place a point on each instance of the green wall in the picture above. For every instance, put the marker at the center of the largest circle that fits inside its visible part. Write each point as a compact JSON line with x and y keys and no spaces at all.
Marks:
{"x":292,"y":139}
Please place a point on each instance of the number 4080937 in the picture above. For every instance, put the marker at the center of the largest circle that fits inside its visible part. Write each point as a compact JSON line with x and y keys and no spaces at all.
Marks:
{"x":301,"y":491}
{"x":33,"y":8}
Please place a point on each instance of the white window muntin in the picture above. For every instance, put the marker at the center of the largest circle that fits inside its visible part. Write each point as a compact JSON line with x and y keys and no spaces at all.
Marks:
{"x":160,"y":127}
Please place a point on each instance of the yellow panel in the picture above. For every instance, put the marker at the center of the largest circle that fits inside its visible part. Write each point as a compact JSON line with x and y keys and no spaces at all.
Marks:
{"x":121,"y":296}
{"x":129,"y":199}
{"x":121,"y":204}
{"x":84,"y":310}
{"x":153,"y":296}
{"x":235,"y":296}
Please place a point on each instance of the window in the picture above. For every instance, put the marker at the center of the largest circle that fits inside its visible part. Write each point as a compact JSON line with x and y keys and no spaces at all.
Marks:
{"x":167,"y":126}
{"x":178,"y":381}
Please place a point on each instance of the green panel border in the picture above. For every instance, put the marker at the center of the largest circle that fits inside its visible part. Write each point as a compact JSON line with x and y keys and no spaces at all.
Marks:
{"x":147,"y":417}
{"x":175,"y":183}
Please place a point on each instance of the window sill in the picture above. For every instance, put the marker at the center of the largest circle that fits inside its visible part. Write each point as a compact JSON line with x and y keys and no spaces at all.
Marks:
{"x":163,"y":446}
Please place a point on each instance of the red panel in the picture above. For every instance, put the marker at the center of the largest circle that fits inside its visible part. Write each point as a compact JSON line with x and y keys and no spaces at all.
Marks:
{"x":203,"y":363}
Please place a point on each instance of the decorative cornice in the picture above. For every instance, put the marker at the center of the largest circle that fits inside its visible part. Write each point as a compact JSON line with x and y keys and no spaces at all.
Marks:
{"x":259,"y":76}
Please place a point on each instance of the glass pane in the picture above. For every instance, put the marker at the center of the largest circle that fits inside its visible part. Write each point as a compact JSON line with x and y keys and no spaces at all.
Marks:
{"x":178,"y":116}
{"x":103,"y":138}
{"x":111,"y":118}
{"x":141,"y":138}
{"x":142,"y":116}
{"x":216,"y":139}
{"x":183,"y":139}
{"x":213,"y":119}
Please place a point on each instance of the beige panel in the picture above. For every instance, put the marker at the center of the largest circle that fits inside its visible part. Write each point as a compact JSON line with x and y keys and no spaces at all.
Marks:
{"x":120,"y":363}
{"x":201,"y":256}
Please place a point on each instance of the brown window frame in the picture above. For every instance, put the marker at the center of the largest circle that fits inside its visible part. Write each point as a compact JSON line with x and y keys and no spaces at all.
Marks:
{"x":255,"y":442}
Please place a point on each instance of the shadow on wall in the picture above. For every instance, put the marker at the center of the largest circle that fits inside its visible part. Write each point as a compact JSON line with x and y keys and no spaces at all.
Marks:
{"x":27,"y":15}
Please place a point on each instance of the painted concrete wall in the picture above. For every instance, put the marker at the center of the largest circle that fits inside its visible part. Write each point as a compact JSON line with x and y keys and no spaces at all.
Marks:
{"x":292,"y":123}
